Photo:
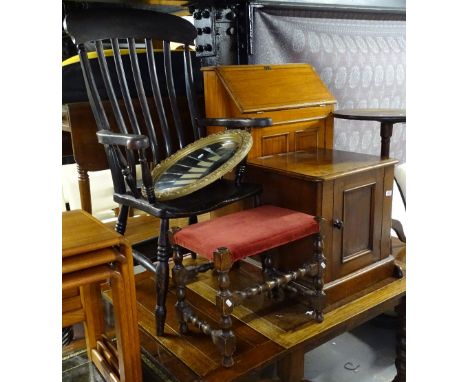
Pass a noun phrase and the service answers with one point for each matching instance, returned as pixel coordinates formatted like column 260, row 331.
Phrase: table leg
column 126, row 270
column 85, row 189
column 162, row 277
column 94, row 323
column 128, row 342
column 386, row 130
column 291, row 367
column 400, row 361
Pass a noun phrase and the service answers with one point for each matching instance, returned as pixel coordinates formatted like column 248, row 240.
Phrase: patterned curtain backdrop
column 360, row 57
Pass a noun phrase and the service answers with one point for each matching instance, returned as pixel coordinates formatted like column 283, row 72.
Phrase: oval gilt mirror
column 200, row 164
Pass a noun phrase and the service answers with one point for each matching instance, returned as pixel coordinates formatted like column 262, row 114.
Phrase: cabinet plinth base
column 357, row 281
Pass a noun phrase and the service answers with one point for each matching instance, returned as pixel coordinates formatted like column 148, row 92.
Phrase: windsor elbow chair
column 104, row 32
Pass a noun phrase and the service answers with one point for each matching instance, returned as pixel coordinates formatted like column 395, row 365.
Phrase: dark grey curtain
column 359, row 56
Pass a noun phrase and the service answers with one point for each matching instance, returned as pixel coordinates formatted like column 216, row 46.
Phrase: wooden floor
column 370, row 345
column 287, row 322
column 266, row 332
column 196, row 351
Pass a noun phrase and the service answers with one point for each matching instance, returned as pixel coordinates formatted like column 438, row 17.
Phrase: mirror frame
column 245, row 143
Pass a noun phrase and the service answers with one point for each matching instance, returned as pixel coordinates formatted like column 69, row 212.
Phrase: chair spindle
column 109, row 88
column 142, row 96
column 157, row 97
column 90, row 83
column 119, row 68
column 172, row 93
column 189, row 88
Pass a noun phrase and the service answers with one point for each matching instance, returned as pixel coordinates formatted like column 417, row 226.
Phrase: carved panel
column 275, row 144
column 357, row 222
column 358, row 206
column 306, row 139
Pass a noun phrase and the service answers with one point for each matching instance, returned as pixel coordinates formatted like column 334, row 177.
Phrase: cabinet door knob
column 337, row 223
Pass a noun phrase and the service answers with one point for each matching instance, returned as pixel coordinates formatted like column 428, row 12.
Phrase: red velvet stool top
column 247, row 233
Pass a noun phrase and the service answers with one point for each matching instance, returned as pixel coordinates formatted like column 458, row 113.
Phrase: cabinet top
column 321, row 164
column 368, row 114
column 256, row 88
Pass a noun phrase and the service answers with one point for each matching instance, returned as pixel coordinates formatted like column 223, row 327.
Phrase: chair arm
column 131, row 141
column 235, row 123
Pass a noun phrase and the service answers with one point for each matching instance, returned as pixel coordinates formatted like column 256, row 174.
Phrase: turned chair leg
column 193, row 219
column 267, row 273
column 162, row 277
column 224, row 338
column 318, row 301
column 179, row 277
column 121, row 223
column 267, row 266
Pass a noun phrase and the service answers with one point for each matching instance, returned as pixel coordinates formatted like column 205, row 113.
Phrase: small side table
column 93, row 254
column 386, row 117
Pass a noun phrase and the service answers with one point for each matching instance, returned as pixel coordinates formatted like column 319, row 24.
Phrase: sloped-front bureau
column 353, row 193
column 293, row 95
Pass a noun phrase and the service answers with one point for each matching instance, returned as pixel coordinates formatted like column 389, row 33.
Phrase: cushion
column 247, row 233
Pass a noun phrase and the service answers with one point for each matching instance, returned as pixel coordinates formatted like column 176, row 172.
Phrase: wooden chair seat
column 212, row 197
column 247, row 233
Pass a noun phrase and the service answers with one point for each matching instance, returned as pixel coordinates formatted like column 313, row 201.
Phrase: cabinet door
column 357, row 221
